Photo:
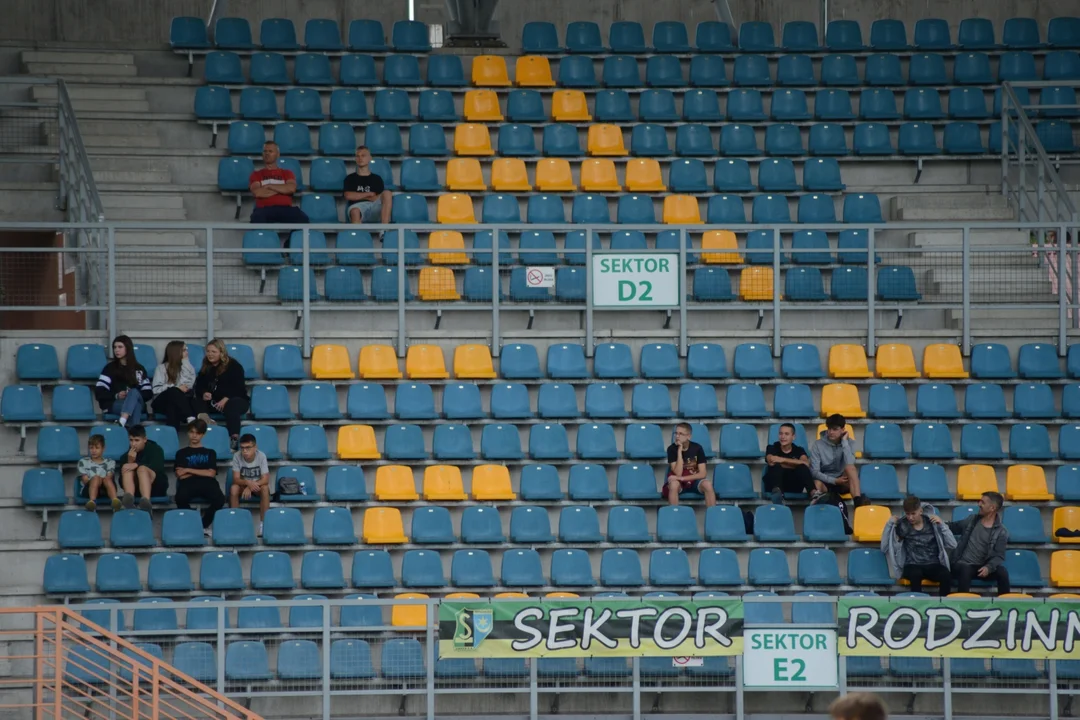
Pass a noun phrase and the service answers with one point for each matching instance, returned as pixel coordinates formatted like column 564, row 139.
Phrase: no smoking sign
column 540, row 277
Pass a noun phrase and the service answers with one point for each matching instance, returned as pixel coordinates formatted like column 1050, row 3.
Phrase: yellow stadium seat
column 425, row 362
column 461, row 596
column 444, row 240
column 848, row 361
column 680, row 209
column 490, row 71
column 554, row 175
column 643, row 175
column 943, row 361
column 974, row 480
column 382, row 526
column 756, row 283
column 561, row 595
column 394, row 483
column 482, row 106
column 437, row 284
column 841, row 398
column 1065, row 596
column 456, row 208
column 409, row 615
column 509, row 175
column 1016, row 596
column 606, row 140
column 491, row 482
column 533, row 71
column 473, row 362
column 598, row 175
column 964, row 595
column 357, row 442
column 517, row 595
column 720, row 240
column 443, row 482
column 1065, row 568
column 896, row 360
column 379, row 362
column 1069, row 519
column 850, row 436
column 331, row 362
column 1026, row 483
column 569, row 106
column 472, row 139
column 464, row 174
column 869, row 522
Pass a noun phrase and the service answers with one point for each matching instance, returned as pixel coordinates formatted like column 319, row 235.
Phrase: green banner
column 603, row 627
column 928, row 627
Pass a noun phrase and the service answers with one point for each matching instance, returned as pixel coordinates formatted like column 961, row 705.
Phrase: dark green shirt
column 152, row 456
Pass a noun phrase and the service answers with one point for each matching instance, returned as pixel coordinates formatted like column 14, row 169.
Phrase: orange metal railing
column 63, row 666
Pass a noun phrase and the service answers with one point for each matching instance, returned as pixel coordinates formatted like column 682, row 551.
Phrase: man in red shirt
column 273, row 188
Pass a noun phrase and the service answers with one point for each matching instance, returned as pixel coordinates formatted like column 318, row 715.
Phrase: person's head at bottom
column 858, row 706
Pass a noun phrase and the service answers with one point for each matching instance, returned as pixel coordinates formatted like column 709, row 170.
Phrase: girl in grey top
column 172, row 386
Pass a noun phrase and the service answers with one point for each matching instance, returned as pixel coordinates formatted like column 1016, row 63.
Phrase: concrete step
column 948, row 200
column 980, row 238
column 88, row 92
column 145, row 200
column 932, row 214
column 1019, row 319
column 77, row 57
column 179, row 321
column 142, row 163
column 117, row 127
column 112, row 141
column 74, row 70
column 154, row 214
column 102, row 105
column 132, row 176
column 154, row 238
column 1030, row 276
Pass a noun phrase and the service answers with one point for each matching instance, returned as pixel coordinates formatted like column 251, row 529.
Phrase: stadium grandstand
column 336, row 337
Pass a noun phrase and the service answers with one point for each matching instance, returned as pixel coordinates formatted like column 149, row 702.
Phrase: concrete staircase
column 1002, row 267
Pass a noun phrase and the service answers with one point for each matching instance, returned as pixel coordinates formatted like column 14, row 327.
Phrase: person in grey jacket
column 917, row 545
column 174, row 381
column 980, row 547
column 832, row 461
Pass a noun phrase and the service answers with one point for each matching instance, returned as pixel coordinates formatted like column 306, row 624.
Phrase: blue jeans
column 133, row 405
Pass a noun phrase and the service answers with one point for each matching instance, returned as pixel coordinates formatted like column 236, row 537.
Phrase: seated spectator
column 274, row 188
column 142, row 470
column 96, row 472
column 123, row 388
column 788, row 469
column 220, row 386
column 196, row 476
column 832, row 461
column 366, row 196
column 980, row 545
column 173, row 385
column 917, row 545
column 251, row 476
column 688, row 472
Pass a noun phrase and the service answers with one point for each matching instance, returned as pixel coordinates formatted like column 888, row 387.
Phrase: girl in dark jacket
column 220, row 386
column 123, row 388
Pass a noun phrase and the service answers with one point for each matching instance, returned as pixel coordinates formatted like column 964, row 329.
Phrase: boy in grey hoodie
column 832, row 461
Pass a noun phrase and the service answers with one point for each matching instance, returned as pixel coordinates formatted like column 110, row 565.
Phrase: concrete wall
column 137, row 23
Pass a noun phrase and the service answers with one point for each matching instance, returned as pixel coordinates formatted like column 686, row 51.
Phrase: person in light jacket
column 917, row 545
column 173, row 383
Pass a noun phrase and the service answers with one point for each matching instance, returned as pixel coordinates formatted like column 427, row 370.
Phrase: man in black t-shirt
column 196, row 475
column 787, row 468
column 366, row 196
column 686, row 460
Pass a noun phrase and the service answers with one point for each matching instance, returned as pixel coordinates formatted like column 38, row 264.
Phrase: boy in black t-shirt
column 787, row 468
column 688, row 472
column 196, row 475
column 366, row 198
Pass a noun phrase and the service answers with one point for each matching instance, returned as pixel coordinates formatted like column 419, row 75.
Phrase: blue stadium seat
column 627, row 37
column 843, row 35
column 422, row 569
column 657, row 106
column 739, row 441
column 879, row 481
column 645, row 442
column 1032, row 442
column 745, row 400
column 801, row 361
column 224, row 68
column 827, row 139
column 811, row 247
column 425, row 139
column 648, row 401
column 258, row 104
column 530, row 524
column 415, row 401
column 571, row 568
column 588, row 482
column 431, row 526
column 247, row 138
column 883, row 70
column 895, row 283
column 522, row 106
column 501, row 442
column 521, row 292
column 735, row 139
column 452, row 442
column 823, row 523
column 1021, row 33
column 555, row 400
column 281, row 526
column 753, row 361
column 577, row 72
column 584, row 37
column 660, row 360
column 888, row 35
column 539, row 38
column 131, row 529
column 889, row 400
column 43, row 486
column 544, row 209
column 795, row 71
column 358, row 71
column 392, row 105
column 23, row 403
column 383, row 139
column 1024, row 524
column 213, row 103
column 762, row 241
column 927, row 69
column 884, row 440
column 462, row 402
column 471, row 568
column 777, row 175
column 58, row 444
column 928, row 482
column 976, row 34
column 833, row 105
column 1018, row 67
column 613, row 106
column 1056, row 136
column 410, row 36
column 117, row 572
column 677, row 524
column 321, row 569
column 663, row 71
column 541, row 482
column 937, row 401
column 79, row 529
column 923, row 104
column 632, row 482
column 963, row 138
column 933, row 34
column 818, row 566
column 774, row 523
column 980, row 442
column 972, row 69
column 648, row 141
column 839, row 70
column 867, row 567
column 768, row 566
column 278, row 34
column 877, row 104
column 725, row 209
column 719, row 567
column 322, row 35
column 1061, row 65
column 707, row 71
column 745, row 105
column 713, row 37
column 800, row 36
column 580, row 524
column 312, row 69
column 698, row 401
column 724, row 524
column 706, row 361
column 991, row 361
column 751, row 71
column 318, row 401
column 402, row 71
column 783, row 139
column 1039, row 360
column 794, row 401
column 611, row 361
column 1063, row 32
column 620, row 568
column 594, row 442
column 917, row 139
column 670, row 37
column 931, row 441
column 522, row 568
column 669, row 567
column 819, row 210
column 1034, row 401
column 712, row 285
column 268, row 68
column 757, row 37
column 1058, row 96
column 862, row 208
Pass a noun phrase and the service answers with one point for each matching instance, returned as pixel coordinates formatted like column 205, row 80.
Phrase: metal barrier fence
column 961, row 269
column 386, row 651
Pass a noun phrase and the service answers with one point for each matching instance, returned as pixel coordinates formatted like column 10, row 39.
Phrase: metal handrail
column 75, row 163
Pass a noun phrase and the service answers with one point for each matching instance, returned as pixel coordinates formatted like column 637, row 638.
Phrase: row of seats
column 530, row 524
column 170, row 572
column 567, row 361
column 623, row 71
column 234, row 33
column 614, row 106
column 189, row 33
column 416, row 401
column 540, row 483
column 651, row 140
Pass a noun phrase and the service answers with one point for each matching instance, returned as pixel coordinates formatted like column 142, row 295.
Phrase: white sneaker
column 207, row 533
column 191, row 419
